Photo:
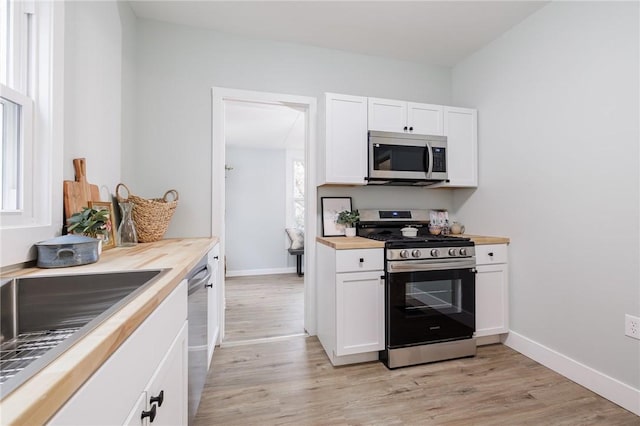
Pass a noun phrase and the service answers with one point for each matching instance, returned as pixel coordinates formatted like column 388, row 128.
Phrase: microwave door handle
column 429, row 157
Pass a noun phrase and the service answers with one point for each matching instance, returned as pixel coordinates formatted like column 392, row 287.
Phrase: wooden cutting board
column 78, row 193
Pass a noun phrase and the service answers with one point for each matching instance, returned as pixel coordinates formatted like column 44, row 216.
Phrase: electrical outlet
column 632, row 326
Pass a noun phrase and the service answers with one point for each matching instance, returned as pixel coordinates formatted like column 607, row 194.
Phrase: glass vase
column 127, row 235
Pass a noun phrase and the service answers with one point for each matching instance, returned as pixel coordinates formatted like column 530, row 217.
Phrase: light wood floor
column 264, row 306
column 292, row 382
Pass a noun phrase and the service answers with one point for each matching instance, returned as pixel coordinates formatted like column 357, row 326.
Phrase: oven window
column 398, row 158
column 442, row 296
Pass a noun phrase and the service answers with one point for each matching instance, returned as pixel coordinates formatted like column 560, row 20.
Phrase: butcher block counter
column 349, row 243
column 39, row 398
column 481, row 240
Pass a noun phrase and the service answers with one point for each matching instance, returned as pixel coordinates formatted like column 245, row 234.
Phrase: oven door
column 429, row 306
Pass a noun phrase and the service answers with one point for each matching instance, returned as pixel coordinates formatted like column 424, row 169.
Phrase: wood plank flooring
column 264, row 306
column 292, row 382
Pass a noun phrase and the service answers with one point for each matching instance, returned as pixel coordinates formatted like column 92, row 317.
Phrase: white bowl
column 409, row 232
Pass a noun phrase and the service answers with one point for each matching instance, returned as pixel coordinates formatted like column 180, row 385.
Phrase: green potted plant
column 348, row 219
column 90, row 222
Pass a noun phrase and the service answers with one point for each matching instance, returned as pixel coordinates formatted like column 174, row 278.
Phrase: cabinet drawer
column 359, row 260
column 491, row 254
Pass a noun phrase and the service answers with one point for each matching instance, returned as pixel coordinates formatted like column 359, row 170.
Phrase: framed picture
column 111, row 232
column 331, row 206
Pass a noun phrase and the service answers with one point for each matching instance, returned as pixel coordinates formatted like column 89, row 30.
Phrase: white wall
column 390, row 197
column 93, row 88
column 176, row 68
column 255, row 211
column 558, row 116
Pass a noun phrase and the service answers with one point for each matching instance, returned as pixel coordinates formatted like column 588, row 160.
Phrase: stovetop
column 386, row 225
column 393, row 241
column 391, row 237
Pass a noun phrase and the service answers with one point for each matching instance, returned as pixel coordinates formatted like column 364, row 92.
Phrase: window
column 31, row 125
column 16, row 109
column 298, row 193
column 295, row 189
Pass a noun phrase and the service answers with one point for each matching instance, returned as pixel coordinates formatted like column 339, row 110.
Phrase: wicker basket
column 151, row 216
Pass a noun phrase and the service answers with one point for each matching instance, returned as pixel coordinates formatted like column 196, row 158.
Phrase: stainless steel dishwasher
column 199, row 279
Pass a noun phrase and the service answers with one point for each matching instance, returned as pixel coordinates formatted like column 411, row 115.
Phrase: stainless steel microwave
column 406, row 159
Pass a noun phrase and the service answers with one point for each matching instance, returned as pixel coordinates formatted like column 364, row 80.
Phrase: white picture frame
column 331, row 206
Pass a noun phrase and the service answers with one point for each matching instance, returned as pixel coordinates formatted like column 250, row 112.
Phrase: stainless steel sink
column 41, row 317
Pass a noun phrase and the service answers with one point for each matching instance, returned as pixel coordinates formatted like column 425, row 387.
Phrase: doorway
column 253, row 202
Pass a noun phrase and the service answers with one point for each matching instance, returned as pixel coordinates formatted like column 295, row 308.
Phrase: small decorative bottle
column 127, row 235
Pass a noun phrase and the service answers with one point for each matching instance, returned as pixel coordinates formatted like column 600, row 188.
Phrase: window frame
column 13, row 217
column 46, row 87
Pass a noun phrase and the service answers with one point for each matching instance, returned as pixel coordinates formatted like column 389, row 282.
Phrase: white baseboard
column 612, row 389
column 272, row 271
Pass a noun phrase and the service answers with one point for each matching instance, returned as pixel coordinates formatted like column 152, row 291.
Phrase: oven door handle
column 421, row 266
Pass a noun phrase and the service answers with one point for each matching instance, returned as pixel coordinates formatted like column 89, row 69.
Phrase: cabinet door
column 387, row 115
column 359, row 312
column 135, row 416
column 492, row 300
column 169, row 384
column 425, row 119
column 346, row 139
column 108, row 396
column 213, row 318
column 461, row 130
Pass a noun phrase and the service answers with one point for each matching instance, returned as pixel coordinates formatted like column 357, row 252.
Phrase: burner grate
column 17, row 353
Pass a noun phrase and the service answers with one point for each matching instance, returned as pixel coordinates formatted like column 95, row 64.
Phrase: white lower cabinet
column 164, row 401
column 149, row 367
column 492, row 290
column 135, row 418
column 350, row 285
column 214, row 295
column 359, row 312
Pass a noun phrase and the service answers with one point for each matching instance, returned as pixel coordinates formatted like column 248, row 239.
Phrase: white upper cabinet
column 343, row 158
column 345, row 153
column 387, row 115
column 390, row 115
column 461, row 130
column 426, row 119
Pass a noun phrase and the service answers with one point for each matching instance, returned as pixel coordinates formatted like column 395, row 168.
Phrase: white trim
column 612, row 389
column 271, row 271
column 262, row 340
column 219, row 95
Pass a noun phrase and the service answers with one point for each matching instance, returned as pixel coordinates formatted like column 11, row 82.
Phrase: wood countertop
column 349, row 243
column 344, row 243
column 481, row 240
column 38, row 399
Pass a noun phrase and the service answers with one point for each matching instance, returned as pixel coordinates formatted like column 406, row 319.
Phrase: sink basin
column 41, row 317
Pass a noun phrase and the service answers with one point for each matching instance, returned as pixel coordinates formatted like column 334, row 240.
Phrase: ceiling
column 428, row 32
column 264, row 126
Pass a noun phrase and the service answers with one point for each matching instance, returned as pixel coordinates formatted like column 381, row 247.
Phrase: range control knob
column 416, row 253
column 404, row 254
column 452, row 252
column 463, row 252
column 435, row 253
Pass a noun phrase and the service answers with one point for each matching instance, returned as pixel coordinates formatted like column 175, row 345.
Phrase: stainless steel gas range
column 429, row 289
